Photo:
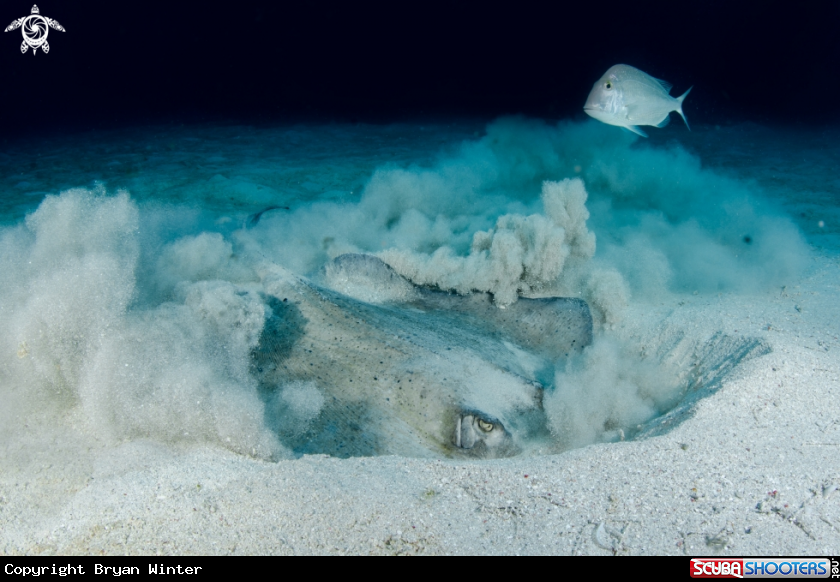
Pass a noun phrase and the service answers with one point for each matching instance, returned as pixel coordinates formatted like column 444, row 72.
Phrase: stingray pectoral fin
column 634, row 129
column 551, row 327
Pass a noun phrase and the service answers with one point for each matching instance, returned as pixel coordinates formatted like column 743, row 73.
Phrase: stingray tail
column 679, row 110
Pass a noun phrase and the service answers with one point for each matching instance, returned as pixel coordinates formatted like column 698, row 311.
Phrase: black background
column 144, row 62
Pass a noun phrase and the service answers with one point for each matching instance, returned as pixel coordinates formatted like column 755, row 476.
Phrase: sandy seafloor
column 755, row 469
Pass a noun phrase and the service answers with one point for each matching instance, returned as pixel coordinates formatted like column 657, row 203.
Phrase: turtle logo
column 35, row 28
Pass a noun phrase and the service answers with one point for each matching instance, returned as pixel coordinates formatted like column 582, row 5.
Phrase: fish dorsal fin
column 665, row 84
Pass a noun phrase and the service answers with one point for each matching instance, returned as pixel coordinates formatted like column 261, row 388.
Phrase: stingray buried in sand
column 431, row 374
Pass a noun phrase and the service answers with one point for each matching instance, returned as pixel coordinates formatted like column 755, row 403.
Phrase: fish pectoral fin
column 635, row 129
column 631, row 113
column 665, row 121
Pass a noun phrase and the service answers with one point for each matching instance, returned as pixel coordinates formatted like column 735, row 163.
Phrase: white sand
column 755, row 471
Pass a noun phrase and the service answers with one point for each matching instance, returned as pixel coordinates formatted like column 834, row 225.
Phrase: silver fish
column 628, row 98
column 428, row 374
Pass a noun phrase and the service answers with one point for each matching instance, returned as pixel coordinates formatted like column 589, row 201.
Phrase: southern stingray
column 397, row 369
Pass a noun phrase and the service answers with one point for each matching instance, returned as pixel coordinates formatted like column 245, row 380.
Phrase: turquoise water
column 129, row 278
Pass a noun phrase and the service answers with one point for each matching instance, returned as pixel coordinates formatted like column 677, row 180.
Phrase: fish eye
column 609, row 85
column 485, row 426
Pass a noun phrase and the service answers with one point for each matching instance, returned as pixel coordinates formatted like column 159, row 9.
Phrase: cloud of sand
column 177, row 372
column 145, row 330
column 605, row 392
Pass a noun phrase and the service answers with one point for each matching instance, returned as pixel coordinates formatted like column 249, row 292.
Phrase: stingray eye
column 485, row 426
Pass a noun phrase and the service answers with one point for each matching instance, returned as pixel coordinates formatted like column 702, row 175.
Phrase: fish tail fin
column 679, row 110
